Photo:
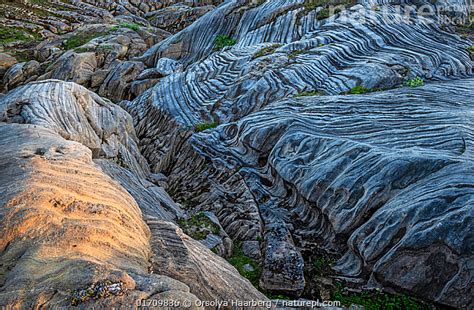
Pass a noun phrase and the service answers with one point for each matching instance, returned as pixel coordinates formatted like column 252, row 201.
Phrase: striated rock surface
column 306, row 144
column 80, row 41
column 330, row 56
column 68, row 228
column 391, row 188
column 370, row 176
column 65, row 225
column 79, row 115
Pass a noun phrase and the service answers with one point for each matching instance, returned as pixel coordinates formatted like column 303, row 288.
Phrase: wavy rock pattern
column 381, row 181
column 389, row 182
column 79, row 115
column 316, row 173
column 182, row 258
column 64, row 224
column 331, row 56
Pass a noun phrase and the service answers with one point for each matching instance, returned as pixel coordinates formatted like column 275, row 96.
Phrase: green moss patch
column 132, row 26
column 294, row 54
column 322, row 14
column 321, row 266
column 222, row 41
column 415, row 82
column 10, row 35
column 377, row 300
column 266, row 51
column 357, row 90
column 204, row 126
column 81, row 38
column 241, row 262
column 199, row 226
column 310, row 93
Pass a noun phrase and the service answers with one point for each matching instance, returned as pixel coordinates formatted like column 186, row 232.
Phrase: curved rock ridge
column 209, row 276
column 47, row 17
column 385, row 177
column 141, row 8
column 67, row 221
column 287, row 21
column 339, row 172
column 81, row 41
column 323, row 144
column 64, row 225
column 330, row 56
column 79, row 115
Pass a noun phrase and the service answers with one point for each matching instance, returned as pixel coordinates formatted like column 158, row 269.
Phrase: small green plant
column 199, row 226
column 322, row 14
column 93, row 49
column 131, row 26
column 277, row 296
column 310, row 93
column 105, row 46
column 23, row 55
column 359, row 89
column 80, row 50
column 9, row 35
column 239, row 260
column 81, row 38
column 320, row 264
column 266, row 51
column 471, row 50
column 310, row 5
column 121, row 162
column 293, row 54
column 415, row 82
column 204, row 126
column 222, row 41
column 377, row 300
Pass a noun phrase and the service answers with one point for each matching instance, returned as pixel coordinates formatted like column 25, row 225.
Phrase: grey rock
column 177, row 16
column 283, row 265
column 79, row 115
column 117, row 84
column 139, row 87
column 151, row 73
column 166, row 66
column 252, row 249
column 322, row 196
column 52, row 177
column 20, row 73
column 387, row 188
column 63, row 201
column 6, row 61
column 73, row 67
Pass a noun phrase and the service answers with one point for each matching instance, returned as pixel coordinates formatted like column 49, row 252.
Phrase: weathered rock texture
column 391, row 188
column 330, row 56
column 81, row 41
column 384, row 178
column 65, row 223
column 263, row 135
column 79, row 115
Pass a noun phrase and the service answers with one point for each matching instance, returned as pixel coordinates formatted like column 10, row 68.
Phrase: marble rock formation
column 71, row 228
